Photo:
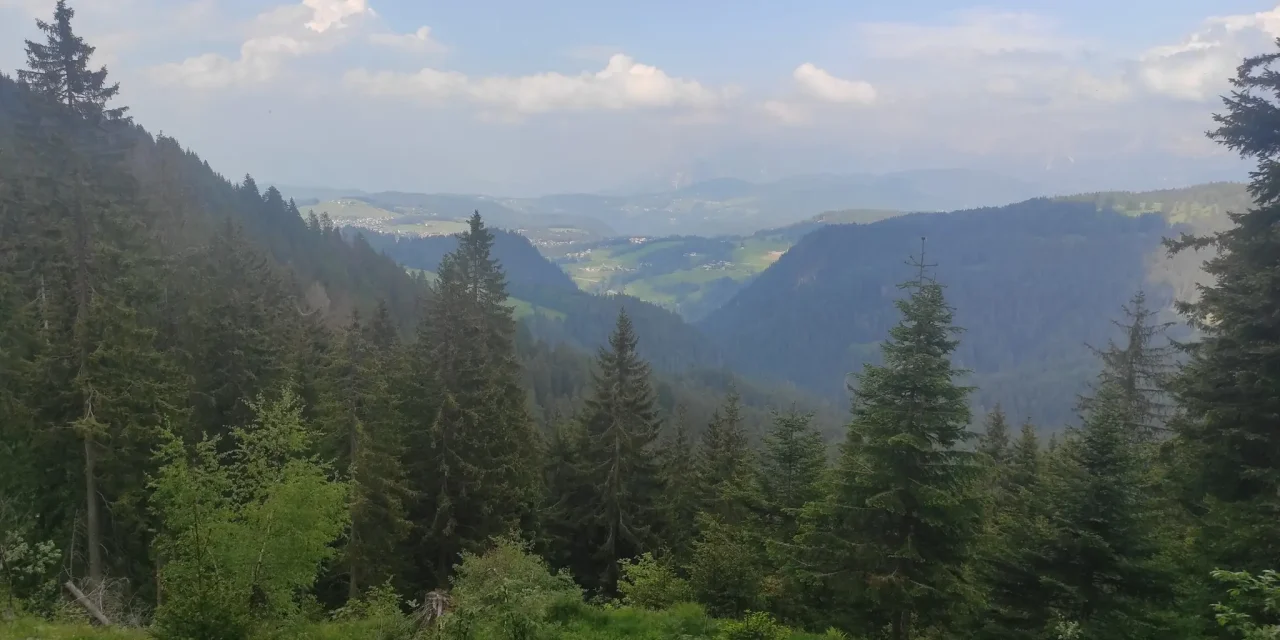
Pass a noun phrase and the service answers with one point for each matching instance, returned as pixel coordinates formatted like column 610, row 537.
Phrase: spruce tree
column 1139, row 368
column 474, row 451
column 366, row 436
column 994, row 441
column 725, row 458
column 790, row 471
column 1024, row 462
column 890, row 544
column 1229, row 388
column 1105, row 555
column 59, row 69
column 622, row 426
column 1013, row 555
column 682, row 494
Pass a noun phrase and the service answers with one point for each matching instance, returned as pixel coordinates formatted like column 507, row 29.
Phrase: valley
column 805, row 304
column 922, row 404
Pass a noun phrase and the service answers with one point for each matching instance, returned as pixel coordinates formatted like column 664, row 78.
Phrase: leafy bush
column 649, row 584
column 28, row 573
column 245, row 531
column 1253, row 607
column 755, row 626
column 507, row 593
column 378, row 615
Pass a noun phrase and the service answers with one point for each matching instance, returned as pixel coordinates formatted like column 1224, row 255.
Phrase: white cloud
column 972, row 32
column 826, row 87
column 260, row 60
column 622, row 84
column 275, row 36
column 419, row 41
column 1199, row 67
column 328, row 14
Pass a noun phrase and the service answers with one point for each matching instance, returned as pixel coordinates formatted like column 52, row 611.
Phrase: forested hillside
column 206, row 433
column 1033, row 284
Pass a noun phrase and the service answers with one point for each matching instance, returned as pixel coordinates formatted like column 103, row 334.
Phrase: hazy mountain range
column 711, row 207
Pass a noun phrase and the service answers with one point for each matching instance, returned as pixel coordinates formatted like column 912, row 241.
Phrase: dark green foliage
column 994, row 441
column 366, row 435
column 724, row 459
column 1228, row 387
column 621, row 425
column 59, row 70
column 475, row 455
column 790, row 472
column 1032, row 283
column 682, row 492
column 1139, row 370
column 1104, row 556
column 890, row 543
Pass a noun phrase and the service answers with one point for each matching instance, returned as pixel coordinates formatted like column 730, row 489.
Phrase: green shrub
column 244, row 532
column 28, row 575
column 379, row 615
column 755, row 626
column 507, row 593
column 649, row 584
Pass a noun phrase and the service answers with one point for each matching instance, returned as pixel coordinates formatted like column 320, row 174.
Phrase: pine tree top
column 59, row 69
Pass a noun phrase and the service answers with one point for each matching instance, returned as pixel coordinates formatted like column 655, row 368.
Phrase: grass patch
column 25, row 628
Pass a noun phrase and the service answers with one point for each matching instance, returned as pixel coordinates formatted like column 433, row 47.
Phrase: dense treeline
column 1032, row 284
column 188, row 439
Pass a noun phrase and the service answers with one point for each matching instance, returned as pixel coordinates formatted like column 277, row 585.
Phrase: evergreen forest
column 222, row 419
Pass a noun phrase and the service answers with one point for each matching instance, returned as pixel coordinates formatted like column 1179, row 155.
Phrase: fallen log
column 87, row 604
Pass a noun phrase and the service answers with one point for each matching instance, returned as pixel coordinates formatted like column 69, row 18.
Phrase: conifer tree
column 369, row 447
column 564, row 517
column 474, row 450
column 1017, row 535
column 790, row 471
column 1139, row 369
column 994, row 441
column 1104, row 557
column 1229, row 388
column 890, row 543
column 1024, row 462
column 725, row 458
column 682, row 494
column 622, row 425
column 59, row 69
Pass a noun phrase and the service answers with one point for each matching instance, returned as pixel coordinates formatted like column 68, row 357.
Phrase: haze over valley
column 375, row 319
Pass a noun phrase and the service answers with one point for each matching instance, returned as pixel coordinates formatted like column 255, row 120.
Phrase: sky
column 509, row 97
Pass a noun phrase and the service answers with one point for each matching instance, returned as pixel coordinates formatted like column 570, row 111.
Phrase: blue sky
column 518, row 97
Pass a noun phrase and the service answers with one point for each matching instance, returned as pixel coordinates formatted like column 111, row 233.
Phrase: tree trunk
column 353, row 586
column 92, row 521
column 93, row 524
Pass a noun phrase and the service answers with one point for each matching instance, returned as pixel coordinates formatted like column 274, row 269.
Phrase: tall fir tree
column 59, row 69
column 725, row 459
column 621, row 426
column 1140, row 369
column 476, row 456
column 890, row 544
column 790, row 472
column 1229, row 387
column 364, row 433
column 1104, row 557
column 994, row 441
column 681, row 487
column 1016, row 534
